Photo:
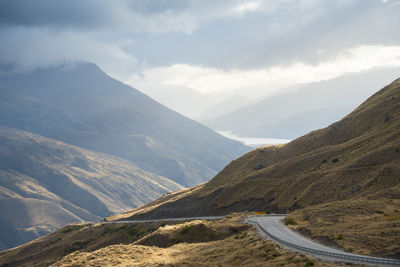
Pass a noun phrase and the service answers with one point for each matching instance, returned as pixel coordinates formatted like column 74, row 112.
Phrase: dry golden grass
column 75, row 237
column 243, row 247
column 225, row 242
column 197, row 231
column 361, row 226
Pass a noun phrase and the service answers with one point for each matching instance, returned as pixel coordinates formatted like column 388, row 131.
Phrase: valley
column 355, row 157
column 199, row 133
column 77, row 145
column 331, row 182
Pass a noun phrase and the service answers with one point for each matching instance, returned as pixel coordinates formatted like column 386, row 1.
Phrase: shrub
column 290, row 221
column 309, row 263
column 185, row 229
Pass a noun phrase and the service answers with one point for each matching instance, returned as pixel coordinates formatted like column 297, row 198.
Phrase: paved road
column 210, row 218
column 272, row 227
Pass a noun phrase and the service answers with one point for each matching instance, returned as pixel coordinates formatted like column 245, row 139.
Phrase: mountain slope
column 356, row 157
column 82, row 106
column 45, row 184
column 232, row 103
column 311, row 107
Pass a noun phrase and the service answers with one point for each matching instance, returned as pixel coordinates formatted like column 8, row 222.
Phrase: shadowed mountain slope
column 45, row 184
column 82, row 106
column 356, row 157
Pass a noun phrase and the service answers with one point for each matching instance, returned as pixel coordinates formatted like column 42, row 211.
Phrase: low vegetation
column 75, row 237
column 226, row 242
column 361, row 226
column 290, row 221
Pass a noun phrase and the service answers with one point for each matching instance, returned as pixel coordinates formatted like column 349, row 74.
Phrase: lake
column 254, row 141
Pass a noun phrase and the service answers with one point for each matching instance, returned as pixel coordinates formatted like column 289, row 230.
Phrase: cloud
column 256, row 34
column 267, row 80
column 149, row 16
column 24, row 49
column 128, row 36
column 245, row 7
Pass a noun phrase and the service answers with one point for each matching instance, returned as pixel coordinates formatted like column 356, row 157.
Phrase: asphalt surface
column 210, row 218
column 272, row 227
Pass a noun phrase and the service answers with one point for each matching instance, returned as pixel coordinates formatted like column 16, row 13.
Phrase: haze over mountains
column 77, row 145
column 313, row 106
column 196, row 105
column 227, row 105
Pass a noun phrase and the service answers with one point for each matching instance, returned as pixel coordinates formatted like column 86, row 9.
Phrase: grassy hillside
column 367, row 225
column 45, row 184
column 82, row 106
column 226, row 242
column 74, row 237
column 357, row 157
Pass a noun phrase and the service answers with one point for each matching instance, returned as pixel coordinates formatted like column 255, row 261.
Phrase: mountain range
column 80, row 105
column 77, row 145
column 45, row 183
column 294, row 113
column 340, row 186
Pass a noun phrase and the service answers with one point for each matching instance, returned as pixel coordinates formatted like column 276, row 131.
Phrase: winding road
column 271, row 226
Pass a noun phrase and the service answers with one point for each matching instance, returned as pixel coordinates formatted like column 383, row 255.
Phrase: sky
column 248, row 47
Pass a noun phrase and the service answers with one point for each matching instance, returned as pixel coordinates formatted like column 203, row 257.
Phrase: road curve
column 271, row 226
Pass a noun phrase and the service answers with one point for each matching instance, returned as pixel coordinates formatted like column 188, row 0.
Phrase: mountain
column 80, row 105
column 313, row 106
column 194, row 104
column 45, row 184
column 357, row 157
column 342, row 181
column 225, row 106
column 184, row 100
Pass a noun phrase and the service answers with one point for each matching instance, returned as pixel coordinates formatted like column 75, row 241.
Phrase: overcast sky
column 205, row 45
